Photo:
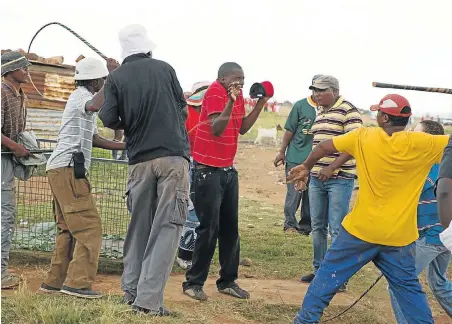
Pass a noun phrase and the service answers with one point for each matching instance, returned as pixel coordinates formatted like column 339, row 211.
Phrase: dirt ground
column 288, row 292
column 259, row 179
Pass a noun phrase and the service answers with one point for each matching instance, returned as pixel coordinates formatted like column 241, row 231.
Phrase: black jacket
column 144, row 97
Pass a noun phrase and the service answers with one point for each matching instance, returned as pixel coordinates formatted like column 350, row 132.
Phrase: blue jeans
column 329, row 202
column 434, row 258
column 346, row 256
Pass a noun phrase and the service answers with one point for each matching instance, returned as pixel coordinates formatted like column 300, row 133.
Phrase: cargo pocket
column 81, row 214
column 180, row 214
column 80, row 187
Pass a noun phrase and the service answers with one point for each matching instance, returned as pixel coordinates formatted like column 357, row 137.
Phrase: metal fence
column 35, row 226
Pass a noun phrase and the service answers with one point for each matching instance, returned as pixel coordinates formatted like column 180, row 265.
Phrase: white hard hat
column 89, row 69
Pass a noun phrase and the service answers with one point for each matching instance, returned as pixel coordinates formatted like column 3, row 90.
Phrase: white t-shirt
column 76, row 133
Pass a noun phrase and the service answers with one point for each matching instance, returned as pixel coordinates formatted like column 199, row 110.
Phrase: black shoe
column 234, row 290
column 144, row 311
column 308, row 278
column 128, row 299
column 82, row 293
column 196, row 293
column 303, row 232
column 48, row 289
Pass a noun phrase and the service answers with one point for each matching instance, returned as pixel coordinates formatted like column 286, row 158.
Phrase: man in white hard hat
column 75, row 258
column 144, row 98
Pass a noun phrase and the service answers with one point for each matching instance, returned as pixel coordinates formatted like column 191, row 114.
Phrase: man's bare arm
column 17, row 149
column 288, row 135
column 344, row 157
column 281, row 157
column 220, row 121
column 323, row 149
column 99, row 141
column 95, row 104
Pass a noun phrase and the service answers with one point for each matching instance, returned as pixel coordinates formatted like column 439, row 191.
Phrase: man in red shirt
column 215, row 182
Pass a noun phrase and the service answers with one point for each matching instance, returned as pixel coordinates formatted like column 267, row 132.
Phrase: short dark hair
column 432, row 127
column 227, row 68
column 400, row 121
column 84, row 83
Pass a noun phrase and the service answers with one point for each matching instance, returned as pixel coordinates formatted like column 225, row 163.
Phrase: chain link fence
column 35, row 226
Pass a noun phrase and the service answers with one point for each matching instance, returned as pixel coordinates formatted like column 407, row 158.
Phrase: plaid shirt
column 13, row 111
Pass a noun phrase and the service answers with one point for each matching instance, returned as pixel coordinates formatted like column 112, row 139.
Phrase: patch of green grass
column 266, row 120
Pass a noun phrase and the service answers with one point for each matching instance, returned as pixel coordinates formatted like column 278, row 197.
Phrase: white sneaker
column 184, row 264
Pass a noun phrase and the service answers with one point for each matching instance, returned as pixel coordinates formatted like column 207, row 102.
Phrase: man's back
column 150, row 103
column 392, row 171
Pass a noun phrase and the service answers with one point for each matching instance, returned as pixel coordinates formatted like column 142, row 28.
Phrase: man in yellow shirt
column 392, row 165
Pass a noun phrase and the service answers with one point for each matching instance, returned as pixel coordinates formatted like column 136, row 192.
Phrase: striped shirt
column 13, row 111
column 76, row 133
column 342, row 118
column 218, row 151
column 428, row 223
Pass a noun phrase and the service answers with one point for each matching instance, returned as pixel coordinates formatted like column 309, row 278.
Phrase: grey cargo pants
column 158, row 200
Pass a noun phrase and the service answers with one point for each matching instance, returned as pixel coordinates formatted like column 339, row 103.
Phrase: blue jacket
column 428, row 222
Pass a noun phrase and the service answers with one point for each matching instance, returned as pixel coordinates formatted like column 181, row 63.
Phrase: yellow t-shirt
column 391, row 172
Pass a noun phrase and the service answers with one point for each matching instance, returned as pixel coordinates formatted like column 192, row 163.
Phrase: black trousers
column 216, row 202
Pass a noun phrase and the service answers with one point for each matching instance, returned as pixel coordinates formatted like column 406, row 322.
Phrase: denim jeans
column 217, row 207
column 188, row 237
column 346, row 256
column 434, row 258
column 292, row 203
column 329, row 202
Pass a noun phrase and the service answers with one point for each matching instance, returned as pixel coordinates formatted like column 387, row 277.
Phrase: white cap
column 134, row 40
column 89, row 69
column 199, row 85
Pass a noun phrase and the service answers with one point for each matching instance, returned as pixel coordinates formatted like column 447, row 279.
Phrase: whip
column 355, row 302
column 73, row 33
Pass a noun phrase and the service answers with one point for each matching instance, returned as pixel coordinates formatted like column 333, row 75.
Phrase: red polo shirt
column 191, row 124
column 218, row 151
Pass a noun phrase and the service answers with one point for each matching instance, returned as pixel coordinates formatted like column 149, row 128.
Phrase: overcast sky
column 285, row 41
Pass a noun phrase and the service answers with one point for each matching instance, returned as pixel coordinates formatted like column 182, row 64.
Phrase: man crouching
column 75, row 258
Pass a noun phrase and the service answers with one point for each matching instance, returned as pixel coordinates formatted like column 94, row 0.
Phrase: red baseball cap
column 392, row 104
column 269, row 90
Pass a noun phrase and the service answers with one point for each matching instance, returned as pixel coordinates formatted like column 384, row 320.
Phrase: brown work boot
column 10, row 281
